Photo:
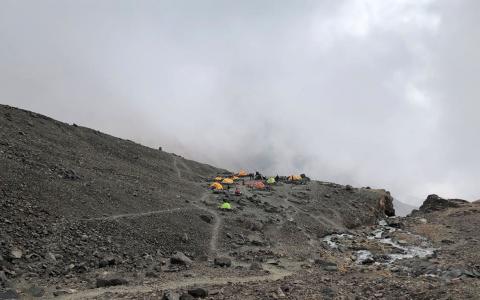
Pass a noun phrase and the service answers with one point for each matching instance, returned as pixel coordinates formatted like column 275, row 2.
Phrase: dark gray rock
column 35, row 291
column 186, row 297
column 151, row 274
column 109, row 261
column 111, row 280
column 326, row 265
column 198, row 292
column 206, row 218
column 178, row 258
column 435, row 203
column 3, row 278
column 59, row 293
column 222, row 262
column 8, row 295
column 256, row 266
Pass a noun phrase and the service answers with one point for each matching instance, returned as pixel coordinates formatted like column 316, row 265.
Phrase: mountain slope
column 402, row 209
column 73, row 198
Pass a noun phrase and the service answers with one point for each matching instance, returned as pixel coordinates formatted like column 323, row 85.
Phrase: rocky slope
column 87, row 215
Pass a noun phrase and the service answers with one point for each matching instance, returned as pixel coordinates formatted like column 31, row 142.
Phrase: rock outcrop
column 435, row 203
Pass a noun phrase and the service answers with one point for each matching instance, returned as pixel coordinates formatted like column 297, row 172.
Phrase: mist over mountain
column 355, row 92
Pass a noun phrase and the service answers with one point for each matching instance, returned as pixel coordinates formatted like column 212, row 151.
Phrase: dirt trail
column 175, row 167
column 275, row 274
column 136, row 215
column 218, row 220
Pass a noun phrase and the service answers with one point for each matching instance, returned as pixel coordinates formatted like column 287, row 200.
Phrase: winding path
column 275, row 274
column 136, row 215
column 213, row 246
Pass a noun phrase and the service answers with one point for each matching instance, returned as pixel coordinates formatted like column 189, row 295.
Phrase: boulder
column 436, row 203
column 35, row 291
column 3, row 278
column 326, row 265
column 186, row 296
column 16, row 253
column 109, row 261
column 222, row 262
column 110, row 280
column 169, row 295
column 198, row 292
column 9, row 294
column 63, row 292
column 178, row 258
column 207, row 219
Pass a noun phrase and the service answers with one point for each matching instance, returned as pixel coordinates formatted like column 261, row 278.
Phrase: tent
column 235, row 178
column 218, row 178
column 258, row 185
column 225, row 205
column 227, row 181
column 242, row 173
column 216, row 186
column 271, row 180
column 294, row 178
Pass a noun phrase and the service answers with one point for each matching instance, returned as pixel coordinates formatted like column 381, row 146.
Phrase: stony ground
column 88, row 216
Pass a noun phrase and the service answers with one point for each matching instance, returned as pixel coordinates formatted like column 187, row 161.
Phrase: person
column 225, row 205
column 251, row 176
column 237, row 192
column 277, row 178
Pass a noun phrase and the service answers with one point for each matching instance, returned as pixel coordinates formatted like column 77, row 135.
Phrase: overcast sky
column 370, row 93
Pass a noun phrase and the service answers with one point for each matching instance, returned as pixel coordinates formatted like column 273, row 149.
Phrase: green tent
column 225, row 205
column 271, row 180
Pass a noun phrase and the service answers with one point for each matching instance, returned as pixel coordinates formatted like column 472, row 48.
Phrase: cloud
column 366, row 92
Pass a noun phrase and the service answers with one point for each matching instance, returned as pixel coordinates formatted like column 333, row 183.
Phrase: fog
column 368, row 93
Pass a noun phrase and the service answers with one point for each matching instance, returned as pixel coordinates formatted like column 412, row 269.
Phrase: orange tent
column 242, row 173
column 235, row 178
column 216, row 186
column 294, row 178
column 259, row 185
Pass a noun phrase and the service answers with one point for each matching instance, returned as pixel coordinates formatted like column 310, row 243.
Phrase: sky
column 362, row 92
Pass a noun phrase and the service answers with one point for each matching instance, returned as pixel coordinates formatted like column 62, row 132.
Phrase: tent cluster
column 222, row 183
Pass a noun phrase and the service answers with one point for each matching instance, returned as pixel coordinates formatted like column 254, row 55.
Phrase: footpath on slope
column 274, row 272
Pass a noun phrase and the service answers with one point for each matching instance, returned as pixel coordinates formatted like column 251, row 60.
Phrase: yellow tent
column 294, row 178
column 216, row 186
column 227, row 181
column 242, row 173
column 235, row 178
column 218, row 178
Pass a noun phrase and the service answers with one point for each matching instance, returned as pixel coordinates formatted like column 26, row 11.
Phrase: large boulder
column 198, row 292
column 436, row 203
column 387, row 203
column 222, row 262
column 178, row 258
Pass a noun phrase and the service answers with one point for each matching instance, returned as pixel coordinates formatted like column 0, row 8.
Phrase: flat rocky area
column 85, row 215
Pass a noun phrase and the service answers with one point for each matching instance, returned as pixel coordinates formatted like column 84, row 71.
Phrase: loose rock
column 222, row 262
